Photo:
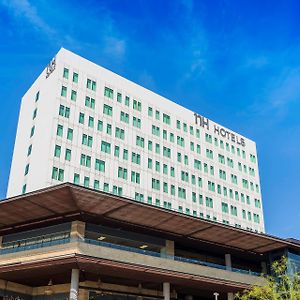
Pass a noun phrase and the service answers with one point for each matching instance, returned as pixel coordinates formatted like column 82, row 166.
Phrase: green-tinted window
column 178, row 124
column 29, row 150
column 172, row 172
column 106, row 187
column 68, row 154
column 96, row 184
column 90, row 84
column 37, row 96
column 89, row 102
column 137, row 105
column 127, row 101
column 76, row 179
column 157, row 115
column 149, row 163
column 124, row 117
column 108, row 129
column 63, row 91
column 117, row 151
column 105, row 147
column 150, row 111
column 86, row 181
column 107, row 110
column 75, row 77
column 135, row 177
column 136, row 122
column 165, row 169
column 81, row 118
column 34, row 114
column 150, row 145
column 57, row 174
column 119, row 97
column 136, row 158
column 108, row 93
column 100, row 125
column 66, row 73
column 140, row 141
column 166, row 119
column 57, row 151
column 73, row 95
column 59, row 130
column 32, row 131
column 91, row 122
column 172, row 139
column 70, row 134
column 125, row 154
column 120, row 133
column 26, row 169
column 99, row 165
column 184, row 127
column 157, row 148
column 157, row 166
column 122, row 173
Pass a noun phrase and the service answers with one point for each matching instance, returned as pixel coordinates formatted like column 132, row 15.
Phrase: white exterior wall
column 42, row 157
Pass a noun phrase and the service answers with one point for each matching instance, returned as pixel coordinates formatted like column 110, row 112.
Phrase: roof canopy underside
column 68, row 200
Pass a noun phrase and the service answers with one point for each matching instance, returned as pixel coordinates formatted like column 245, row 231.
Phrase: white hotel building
column 84, row 124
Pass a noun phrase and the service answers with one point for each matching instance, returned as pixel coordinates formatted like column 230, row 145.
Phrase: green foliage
column 281, row 286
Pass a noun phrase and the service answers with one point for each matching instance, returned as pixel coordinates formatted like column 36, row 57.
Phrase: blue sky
column 235, row 62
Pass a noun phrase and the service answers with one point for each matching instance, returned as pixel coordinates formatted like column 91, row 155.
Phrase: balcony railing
column 123, row 248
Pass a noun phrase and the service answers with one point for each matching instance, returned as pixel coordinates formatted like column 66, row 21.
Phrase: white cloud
column 24, row 9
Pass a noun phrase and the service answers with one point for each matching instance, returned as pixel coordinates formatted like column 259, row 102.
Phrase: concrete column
column 166, row 290
column 74, row 284
column 228, row 262
column 263, row 267
column 77, row 230
column 230, row 296
column 168, row 250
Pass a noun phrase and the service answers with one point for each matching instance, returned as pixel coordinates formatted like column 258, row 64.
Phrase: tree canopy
column 282, row 285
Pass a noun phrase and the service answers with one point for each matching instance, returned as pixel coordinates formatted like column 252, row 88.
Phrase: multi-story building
column 84, row 124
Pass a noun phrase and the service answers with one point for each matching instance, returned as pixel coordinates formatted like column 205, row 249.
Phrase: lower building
column 70, row 242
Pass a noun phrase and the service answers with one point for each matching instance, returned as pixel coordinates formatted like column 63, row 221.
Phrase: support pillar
column 77, row 230
column 228, row 262
column 166, row 290
column 263, row 267
column 74, row 288
column 230, row 296
column 168, row 250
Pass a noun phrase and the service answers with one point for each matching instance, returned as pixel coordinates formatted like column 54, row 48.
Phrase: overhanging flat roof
column 66, row 200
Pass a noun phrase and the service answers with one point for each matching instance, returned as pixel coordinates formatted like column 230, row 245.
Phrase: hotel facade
column 83, row 124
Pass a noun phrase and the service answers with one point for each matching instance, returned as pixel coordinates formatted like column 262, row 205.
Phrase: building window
column 73, row 95
column 57, row 151
column 32, row 131
column 68, row 155
column 75, row 77
column 99, row 165
column 63, row 92
column 90, row 84
column 70, row 134
column 89, row 102
column 119, row 97
column 107, row 110
column 76, row 179
column 59, row 130
column 26, row 169
column 81, row 118
column 57, row 174
column 108, row 93
column 37, row 96
column 105, row 147
column 85, row 160
column 66, row 73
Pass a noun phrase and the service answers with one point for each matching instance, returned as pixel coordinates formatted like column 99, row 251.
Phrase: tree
column 281, row 286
